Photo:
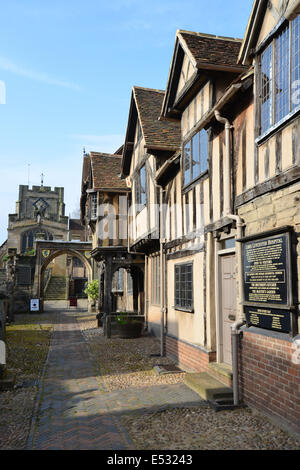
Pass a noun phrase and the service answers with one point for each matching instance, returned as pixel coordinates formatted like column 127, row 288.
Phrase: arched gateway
column 48, row 250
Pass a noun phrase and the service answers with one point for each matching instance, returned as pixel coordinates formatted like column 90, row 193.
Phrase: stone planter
column 128, row 330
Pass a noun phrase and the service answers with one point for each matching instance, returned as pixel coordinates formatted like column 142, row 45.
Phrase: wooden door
column 227, row 305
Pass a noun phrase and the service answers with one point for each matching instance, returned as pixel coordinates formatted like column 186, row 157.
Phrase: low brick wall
column 188, row 355
column 269, row 380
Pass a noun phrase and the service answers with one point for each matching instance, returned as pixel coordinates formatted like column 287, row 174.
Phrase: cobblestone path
column 74, row 409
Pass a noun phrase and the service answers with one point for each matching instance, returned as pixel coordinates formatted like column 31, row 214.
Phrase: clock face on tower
column 40, row 205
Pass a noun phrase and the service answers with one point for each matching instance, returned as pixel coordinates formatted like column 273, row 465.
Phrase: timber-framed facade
column 212, row 171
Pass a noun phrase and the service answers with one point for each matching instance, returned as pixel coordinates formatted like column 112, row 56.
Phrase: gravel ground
column 28, row 342
column 127, row 363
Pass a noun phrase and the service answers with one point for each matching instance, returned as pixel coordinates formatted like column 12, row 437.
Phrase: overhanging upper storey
column 196, row 56
column 144, row 127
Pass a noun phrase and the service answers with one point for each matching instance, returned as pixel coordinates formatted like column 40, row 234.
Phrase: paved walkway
column 75, row 410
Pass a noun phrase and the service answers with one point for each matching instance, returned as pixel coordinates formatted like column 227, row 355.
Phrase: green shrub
column 92, row 289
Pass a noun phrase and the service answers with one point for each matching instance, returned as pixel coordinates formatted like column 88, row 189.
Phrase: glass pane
column 187, row 163
column 143, row 184
column 266, row 89
column 282, row 75
column 203, row 149
column 295, row 65
column 196, row 156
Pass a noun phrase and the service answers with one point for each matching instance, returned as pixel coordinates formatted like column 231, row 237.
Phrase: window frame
column 182, row 307
column 288, row 66
column 93, row 208
column 140, row 193
column 200, row 162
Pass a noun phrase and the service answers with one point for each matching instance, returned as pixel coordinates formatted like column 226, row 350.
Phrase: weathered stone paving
column 76, row 411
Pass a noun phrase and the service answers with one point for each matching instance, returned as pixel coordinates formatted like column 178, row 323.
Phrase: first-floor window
column 195, row 153
column 184, row 286
column 140, row 189
column 279, row 75
column 94, row 206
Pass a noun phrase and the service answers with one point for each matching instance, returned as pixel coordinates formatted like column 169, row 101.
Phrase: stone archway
column 56, row 254
column 47, row 251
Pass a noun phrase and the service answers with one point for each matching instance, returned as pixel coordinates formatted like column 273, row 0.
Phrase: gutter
column 240, row 320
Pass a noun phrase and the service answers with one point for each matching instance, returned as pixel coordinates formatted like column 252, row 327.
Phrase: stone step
column 56, row 289
column 208, row 387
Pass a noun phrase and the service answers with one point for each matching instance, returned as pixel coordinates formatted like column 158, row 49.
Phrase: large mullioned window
column 195, row 157
column 280, row 76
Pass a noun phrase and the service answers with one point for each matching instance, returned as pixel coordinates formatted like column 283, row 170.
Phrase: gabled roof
column 252, row 30
column 206, row 53
column 119, row 151
column 287, row 9
column 106, row 169
column 145, row 106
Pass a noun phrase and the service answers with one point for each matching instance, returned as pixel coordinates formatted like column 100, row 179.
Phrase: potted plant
column 92, row 291
column 126, row 325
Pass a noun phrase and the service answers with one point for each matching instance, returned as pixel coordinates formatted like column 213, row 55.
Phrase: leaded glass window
column 266, row 89
column 195, row 157
column 140, row 189
column 94, row 206
column 280, row 76
column 184, row 286
column 295, row 64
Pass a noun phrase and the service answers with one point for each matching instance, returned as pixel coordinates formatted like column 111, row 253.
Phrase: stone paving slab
column 76, row 411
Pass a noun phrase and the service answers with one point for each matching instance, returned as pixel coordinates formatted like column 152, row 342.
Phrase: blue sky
column 68, row 67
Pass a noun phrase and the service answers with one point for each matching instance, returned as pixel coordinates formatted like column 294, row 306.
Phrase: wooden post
column 108, row 326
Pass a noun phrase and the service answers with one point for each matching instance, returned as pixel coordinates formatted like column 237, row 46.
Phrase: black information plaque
column 265, row 270
column 267, row 283
column 270, row 319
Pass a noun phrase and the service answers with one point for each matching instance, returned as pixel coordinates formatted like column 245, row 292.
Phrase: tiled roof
column 120, row 150
column 75, row 224
column 157, row 134
column 106, row 169
column 211, row 50
column 86, row 165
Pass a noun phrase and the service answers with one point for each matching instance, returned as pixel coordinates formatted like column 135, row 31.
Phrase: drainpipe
column 235, row 327
column 162, row 274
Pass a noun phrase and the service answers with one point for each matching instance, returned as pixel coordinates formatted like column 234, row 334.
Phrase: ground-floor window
column 184, row 286
column 156, row 280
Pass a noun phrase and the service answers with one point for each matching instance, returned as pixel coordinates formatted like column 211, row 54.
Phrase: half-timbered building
column 211, row 169
column 104, row 200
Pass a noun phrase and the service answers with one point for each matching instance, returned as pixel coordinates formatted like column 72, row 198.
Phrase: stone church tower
column 38, row 210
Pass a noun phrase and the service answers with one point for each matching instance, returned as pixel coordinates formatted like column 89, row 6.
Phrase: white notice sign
column 34, row 305
column 2, row 353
